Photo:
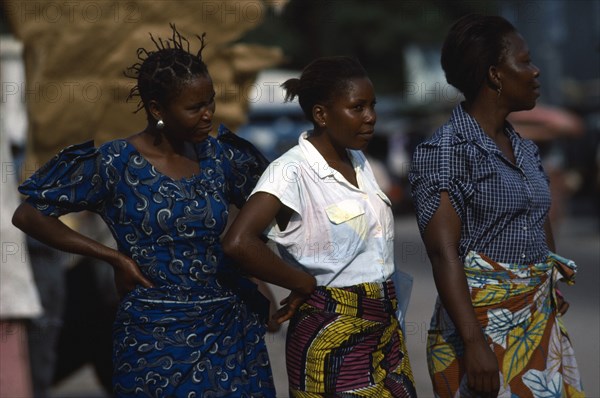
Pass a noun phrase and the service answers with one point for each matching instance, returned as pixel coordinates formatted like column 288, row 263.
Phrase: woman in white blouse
column 333, row 226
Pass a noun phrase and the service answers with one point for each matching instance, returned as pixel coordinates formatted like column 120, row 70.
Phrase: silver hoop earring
column 160, row 124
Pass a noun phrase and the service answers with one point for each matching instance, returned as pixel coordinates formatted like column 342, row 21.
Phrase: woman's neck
column 330, row 152
column 491, row 118
column 162, row 143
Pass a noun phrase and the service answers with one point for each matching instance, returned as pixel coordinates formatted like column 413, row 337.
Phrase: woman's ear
column 155, row 109
column 494, row 77
column 319, row 113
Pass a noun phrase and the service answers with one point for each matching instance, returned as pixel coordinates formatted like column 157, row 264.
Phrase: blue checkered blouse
column 502, row 206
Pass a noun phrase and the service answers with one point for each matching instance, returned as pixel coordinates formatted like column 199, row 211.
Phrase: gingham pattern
column 502, row 205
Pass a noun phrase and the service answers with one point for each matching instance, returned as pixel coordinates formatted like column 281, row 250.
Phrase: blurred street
column 577, row 238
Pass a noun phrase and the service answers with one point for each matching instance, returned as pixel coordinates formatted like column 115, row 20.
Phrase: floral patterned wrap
column 516, row 307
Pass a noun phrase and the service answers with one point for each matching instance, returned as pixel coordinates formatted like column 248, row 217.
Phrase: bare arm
column 561, row 304
column 441, row 239
column 549, row 235
column 53, row 232
column 244, row 244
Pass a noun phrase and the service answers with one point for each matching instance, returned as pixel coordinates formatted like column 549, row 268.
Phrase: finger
column 281, row 318
column 273, row 326
column 471, row 382
column 563, row 308
column 486, row 386
column 284, row 314
column 146, row 283
column 279, row 313
column 477, row 384
column 491, row 385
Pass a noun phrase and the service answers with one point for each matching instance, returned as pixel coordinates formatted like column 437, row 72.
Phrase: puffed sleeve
column 440, row 164
column 71, row 181
column 246, row 164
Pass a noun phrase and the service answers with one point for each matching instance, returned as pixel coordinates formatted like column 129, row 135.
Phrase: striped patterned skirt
column 346, row 342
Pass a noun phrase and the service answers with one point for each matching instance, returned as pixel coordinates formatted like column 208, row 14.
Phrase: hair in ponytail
column 322, row 80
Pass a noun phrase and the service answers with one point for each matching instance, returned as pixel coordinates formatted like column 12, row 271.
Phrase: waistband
column 372, row 300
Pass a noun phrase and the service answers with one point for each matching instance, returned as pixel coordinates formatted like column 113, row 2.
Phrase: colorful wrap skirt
column 516, row 307
column 346, row 342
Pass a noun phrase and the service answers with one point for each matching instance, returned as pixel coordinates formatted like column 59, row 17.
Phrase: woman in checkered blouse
column 482, row 202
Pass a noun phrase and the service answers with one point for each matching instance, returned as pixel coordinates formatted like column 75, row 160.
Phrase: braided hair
column 162, row 73
column 321, row 81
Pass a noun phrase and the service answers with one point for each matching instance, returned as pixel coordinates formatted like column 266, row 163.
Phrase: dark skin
column 353, row 110
column 347, row 122
column 243, row 242
column 54, row 233
column 442, row 234
column 188, row 119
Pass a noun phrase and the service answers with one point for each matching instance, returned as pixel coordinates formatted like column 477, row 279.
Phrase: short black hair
column 473, row 44
column 322, row 80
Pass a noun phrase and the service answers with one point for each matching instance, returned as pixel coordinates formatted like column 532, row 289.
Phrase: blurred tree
column 376, row 32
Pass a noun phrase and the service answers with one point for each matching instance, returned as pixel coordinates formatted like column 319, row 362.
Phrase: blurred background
column 62, row 83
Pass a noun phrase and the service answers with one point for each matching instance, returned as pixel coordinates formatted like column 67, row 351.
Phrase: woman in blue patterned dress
column 188, row 325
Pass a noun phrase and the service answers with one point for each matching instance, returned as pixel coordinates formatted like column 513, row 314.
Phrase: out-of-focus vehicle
column 273, row 124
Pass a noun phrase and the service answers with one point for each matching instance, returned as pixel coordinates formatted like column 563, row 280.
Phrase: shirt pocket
column 348, row 230
column 344, row 211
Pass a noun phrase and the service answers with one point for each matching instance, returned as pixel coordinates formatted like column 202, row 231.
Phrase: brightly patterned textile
column 194, row 334
column 346, row 342
column 516, row 307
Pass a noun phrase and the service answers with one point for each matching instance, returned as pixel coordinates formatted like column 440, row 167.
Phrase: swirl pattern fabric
column 516, row 307
column 194, row 334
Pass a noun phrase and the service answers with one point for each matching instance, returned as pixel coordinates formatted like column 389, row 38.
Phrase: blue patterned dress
column 198, row 332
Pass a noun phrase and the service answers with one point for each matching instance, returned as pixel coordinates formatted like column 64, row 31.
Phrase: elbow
column 232, row 245
column 435, row 255
column 19, row 218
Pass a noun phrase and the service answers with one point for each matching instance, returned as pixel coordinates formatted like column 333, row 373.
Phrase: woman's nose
column 208, row 114
column 371, row 116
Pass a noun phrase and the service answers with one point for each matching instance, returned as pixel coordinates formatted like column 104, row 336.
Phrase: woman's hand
column 290, row 304
column 481, row 368
column 562, row 305
column 128, row 275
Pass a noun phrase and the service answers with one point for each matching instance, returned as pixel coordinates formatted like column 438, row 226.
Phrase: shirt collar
column 317, row 162
column 468, row 128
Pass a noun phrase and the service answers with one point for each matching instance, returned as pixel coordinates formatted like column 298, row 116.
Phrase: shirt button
column 524, row 228
column 522, row 255
column 381, row 260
